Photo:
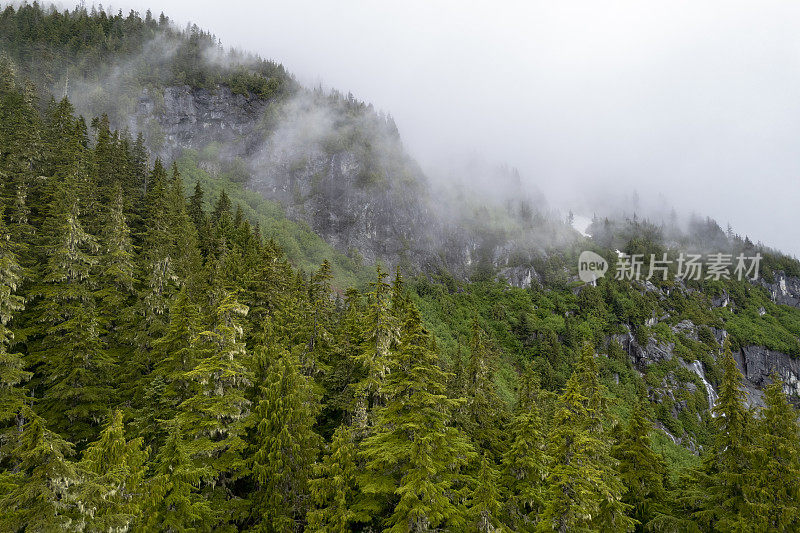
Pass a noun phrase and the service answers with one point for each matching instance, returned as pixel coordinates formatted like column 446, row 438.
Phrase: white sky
column 698, row 101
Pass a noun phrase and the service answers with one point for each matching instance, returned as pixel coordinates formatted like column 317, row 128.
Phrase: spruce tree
column 321, row 310
column 214, row 417
column 117, row 270
column 14, row 409
column 414, row 456
column 75, row 366
column 222, row 208
column 485, row 503
column 157, row 264
column 266, row 293
column 65, row 154
column 584, row 490
column 334, row 486
column 20, row 130
column 728, row 468
column 177, row 353
column 175, row 504
column 641, row 470
column 340, row 386
column 39, row 495
column 774, row 492
column 185, row 250
column 104, row 174
column 140, row 164
column 285, row 447
column 525, row 461
column 112, row 484
column 196, row 212
column 380, row 333
column 399, row 296
column 21, row 231
column 485, row 413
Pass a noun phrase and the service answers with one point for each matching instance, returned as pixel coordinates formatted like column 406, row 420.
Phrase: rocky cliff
column 343, row 170
column 338, row 166
column 783, row 289
column 758, row 364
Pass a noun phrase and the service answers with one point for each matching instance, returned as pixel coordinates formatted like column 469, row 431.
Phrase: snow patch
column 581, row 223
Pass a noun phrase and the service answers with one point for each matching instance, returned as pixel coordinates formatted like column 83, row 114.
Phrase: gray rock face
column 185, row 117
column 522, row 277
column 390, row 221
column 758, row 364
column 654, row 351
column 344, row 175
column 721, row 301
column 784, row 290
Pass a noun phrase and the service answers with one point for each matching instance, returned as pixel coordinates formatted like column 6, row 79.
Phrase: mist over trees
column 165, row 365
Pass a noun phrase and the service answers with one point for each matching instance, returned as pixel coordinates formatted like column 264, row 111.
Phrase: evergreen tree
column 75, row 365
column 484, row 414
column 138, row 184
column 65, row 154
column 139, row 162
column 39, row 495
column 525, row 461
column 334, row 487
column 157, row 267
column 112, row 488
column 185, row 249
column 380, row 333
column 214, row 417
column 584, row 491
column 177, row 353
column 20, row 129
column 196, row 212
column 485, row 504
column 222, row 208
column 774, row 491
column 641, row 470
column 414, row 456
column 117, row 269
column 339, row 383
column 266, row 293
column 175, row 504
column 321, row 309
column 727, row 469
column 104, row 174
column 21, row 231
column 13, row 406
column 399, row 297
column 285, row 447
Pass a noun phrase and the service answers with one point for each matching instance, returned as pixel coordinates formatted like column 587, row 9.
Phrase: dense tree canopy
column 165, row 367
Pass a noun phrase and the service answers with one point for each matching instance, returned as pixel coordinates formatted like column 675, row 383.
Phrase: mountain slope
column 269, row 397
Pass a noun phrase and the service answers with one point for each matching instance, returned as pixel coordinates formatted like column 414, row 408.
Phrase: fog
column 692, row 105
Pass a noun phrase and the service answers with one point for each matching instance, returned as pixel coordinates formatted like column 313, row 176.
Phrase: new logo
column 591, row 267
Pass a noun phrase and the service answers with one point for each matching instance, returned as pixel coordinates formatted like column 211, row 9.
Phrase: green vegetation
column 304, row 248
column 176, row 355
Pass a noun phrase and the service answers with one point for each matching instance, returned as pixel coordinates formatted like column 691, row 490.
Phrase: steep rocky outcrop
column 758, row 364
column 184, row 117
column 321, row 185
column 520, row 276
column 784, row 289
column 341, row 169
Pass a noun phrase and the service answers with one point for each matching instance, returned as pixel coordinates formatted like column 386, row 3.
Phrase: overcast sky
column 695, row 101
